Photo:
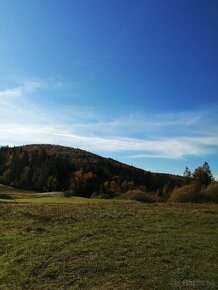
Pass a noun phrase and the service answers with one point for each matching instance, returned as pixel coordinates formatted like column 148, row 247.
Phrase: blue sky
column 133, row 80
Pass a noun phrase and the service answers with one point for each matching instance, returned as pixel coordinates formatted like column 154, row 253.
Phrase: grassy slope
column 49, row 200
column 107, row 245
column 14, row 192
column 24, row 196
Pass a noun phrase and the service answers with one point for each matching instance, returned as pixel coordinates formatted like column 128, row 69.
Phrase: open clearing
column 106, row 244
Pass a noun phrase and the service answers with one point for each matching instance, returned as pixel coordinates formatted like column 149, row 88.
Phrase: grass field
column 74, row 243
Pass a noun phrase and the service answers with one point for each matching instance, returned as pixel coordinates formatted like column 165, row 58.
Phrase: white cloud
column 154, row 136
column 160, row 148
column 21, row 90
column 17, row 92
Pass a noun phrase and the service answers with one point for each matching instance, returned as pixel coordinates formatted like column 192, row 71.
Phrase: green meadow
column 52, row 242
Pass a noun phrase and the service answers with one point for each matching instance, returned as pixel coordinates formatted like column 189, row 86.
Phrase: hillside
column 58, row 168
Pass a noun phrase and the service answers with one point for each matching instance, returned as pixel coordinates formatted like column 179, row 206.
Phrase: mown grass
column 107, row 244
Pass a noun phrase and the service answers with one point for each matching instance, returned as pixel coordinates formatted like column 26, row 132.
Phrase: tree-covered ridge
column 59, row 168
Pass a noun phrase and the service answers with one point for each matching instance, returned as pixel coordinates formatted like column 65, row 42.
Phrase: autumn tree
column 203, row 174
column 83, row 183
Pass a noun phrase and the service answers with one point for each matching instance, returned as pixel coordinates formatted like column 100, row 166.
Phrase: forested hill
column 54, row 168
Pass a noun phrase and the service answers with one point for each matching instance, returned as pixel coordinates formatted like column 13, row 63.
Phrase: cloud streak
column 161, row 136
column 161, row 148
column 22, row 90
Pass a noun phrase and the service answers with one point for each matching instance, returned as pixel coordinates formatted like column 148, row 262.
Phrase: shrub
column 187, row 193
column 139, row 195
column 210, row 193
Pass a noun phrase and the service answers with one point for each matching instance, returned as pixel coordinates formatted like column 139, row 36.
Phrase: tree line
column 77, row 172
column 201, row 174
column 200, row 186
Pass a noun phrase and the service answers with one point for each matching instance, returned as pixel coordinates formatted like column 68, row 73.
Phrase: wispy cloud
column 16, row 92
column 161, row 148
column 153, row 136
column 22, row 89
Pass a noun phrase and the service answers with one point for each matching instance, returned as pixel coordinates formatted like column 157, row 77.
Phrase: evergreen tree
column 207, row 170
column 187, row 172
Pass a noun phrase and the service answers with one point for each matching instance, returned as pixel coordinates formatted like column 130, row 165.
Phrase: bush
column 139, row 195
column 210, row 193
column 187, row 193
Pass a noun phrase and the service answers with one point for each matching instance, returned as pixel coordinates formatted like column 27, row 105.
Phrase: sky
column 136, row 81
